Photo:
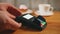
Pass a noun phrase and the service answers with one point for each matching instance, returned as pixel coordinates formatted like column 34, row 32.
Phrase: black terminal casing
column 33, row 22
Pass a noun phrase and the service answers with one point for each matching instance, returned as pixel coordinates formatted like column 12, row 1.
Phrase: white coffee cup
column 45, row 9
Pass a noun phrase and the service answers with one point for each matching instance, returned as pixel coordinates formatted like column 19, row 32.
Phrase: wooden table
column 53, row 26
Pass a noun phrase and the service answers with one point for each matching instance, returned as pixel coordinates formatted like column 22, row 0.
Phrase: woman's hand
column 7, row 15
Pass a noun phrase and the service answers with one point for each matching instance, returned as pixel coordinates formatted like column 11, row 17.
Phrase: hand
column 7, row 15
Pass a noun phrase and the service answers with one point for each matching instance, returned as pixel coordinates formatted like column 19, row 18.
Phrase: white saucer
column 49, row 13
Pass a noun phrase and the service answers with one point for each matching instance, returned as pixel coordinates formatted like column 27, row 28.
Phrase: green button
column 43, row 22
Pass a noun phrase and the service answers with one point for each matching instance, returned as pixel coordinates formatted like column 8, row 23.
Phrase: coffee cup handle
column 51, row 8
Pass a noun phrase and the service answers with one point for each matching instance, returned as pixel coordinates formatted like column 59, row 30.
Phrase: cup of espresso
column 45, row 9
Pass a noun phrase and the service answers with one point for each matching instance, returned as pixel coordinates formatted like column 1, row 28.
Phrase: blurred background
column 34, row 3
column 53, row 20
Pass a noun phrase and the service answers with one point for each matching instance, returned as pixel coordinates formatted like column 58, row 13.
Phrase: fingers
column 10, row 15
column 5, row 19
column 13, row 23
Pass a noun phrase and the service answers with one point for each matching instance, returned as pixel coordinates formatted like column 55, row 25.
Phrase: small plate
column 48, row 13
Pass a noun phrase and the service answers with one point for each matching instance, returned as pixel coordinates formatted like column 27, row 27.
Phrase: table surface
column 53, row 26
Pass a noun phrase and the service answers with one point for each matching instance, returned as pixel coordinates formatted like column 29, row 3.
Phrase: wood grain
column 53, row 26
